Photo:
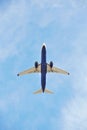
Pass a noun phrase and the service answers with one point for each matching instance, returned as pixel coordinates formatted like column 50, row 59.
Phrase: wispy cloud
column 74, row 113
column 20, row 23
column 12, row 26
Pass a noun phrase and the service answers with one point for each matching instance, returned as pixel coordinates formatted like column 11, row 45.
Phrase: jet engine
column 36, row 64
column 51, row 64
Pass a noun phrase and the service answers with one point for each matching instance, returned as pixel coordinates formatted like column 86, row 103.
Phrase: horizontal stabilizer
column 40, row 91
column 48, row 91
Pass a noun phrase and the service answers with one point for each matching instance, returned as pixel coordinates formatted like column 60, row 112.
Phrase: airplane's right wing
column 31, row 70
column 56, row 70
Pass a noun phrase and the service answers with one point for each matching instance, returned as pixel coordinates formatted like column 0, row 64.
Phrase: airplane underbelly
column 43, row 81
column 43, row 76
column 44, row 68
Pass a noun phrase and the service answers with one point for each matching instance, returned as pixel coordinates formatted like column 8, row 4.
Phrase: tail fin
column 40, row 91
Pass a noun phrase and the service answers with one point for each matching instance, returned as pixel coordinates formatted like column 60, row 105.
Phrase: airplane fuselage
column 43, row 68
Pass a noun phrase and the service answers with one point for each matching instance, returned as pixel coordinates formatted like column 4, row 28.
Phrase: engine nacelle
column 36, row 64
column 51, row 64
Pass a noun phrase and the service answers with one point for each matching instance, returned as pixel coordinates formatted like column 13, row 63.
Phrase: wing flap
column 56, row 70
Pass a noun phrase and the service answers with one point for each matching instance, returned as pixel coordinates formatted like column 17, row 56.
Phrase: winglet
column 17, row 74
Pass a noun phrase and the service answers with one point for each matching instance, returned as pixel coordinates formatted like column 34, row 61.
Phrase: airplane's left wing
column 31, row 70
column 56, row 70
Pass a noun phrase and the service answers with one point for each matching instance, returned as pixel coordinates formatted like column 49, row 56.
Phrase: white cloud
column 54, row 11
column 13, row 25
column 14, row 21
column 47, row 3
column 7, row 51
column 60, row 3
column 11, row 100
column 75, row 114
column 78, row 4
column 79, row 62
column 12, row 29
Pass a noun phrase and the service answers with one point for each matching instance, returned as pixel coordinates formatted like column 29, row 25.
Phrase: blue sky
column 24, row 26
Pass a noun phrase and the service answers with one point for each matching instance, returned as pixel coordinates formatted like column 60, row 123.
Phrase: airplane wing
column 56, row 70
column 31, row 70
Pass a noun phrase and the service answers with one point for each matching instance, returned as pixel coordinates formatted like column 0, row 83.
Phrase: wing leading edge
column 56, row 70
column 31, row 70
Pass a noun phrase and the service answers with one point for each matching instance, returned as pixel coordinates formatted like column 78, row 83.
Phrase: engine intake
column 36, row 64
column 51, row 64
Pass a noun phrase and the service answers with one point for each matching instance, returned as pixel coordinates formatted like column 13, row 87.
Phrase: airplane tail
column 40, row 91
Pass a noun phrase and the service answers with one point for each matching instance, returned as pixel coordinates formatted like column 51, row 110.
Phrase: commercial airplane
column 43, row 68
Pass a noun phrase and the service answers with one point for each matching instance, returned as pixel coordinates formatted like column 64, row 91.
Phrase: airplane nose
column 44, row 45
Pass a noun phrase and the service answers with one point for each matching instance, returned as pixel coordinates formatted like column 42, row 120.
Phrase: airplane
column 43, row 68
